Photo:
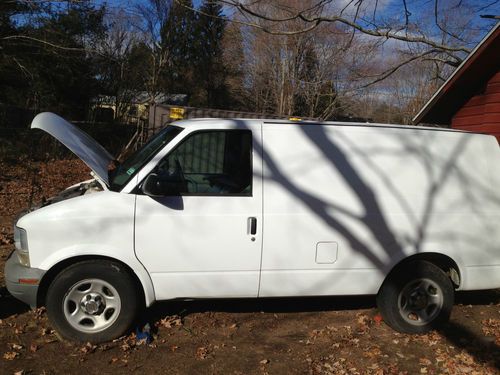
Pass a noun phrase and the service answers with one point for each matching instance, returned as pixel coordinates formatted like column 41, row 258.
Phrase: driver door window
column 210, row 163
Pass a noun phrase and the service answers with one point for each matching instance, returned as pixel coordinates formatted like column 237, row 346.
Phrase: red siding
column 481, row 113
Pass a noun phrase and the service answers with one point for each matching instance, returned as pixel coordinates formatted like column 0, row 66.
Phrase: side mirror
column 156, row 187
column 150, row 185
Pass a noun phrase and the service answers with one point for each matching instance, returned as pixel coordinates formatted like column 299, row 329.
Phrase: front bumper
column 15, row 271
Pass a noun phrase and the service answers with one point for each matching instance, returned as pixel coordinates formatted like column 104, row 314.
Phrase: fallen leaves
column 202, row 352
column 429, row 339
column 14, row 353
column 465, row 358
column 170, row 321
column 129, row 342
column 373, row 352
column 38, row 179
column 16, row 346
column 6, row 237
column 331, row 365
column 9, row 356
column 39, row 313
column 363, row 322
column 424, row 362
column 378, row 319
column 491, row 327
column 88, row 348
column 327, row 333
column 46, row 331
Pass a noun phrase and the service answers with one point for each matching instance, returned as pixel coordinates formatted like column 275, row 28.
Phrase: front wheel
column 416, row 298
column 94, row 300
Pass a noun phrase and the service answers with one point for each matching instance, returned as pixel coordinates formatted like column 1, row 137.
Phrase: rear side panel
column 344, row 204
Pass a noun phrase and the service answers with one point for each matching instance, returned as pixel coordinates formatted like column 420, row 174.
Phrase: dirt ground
column 275, row 336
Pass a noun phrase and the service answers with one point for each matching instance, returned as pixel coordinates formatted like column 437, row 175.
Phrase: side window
column 210, row 163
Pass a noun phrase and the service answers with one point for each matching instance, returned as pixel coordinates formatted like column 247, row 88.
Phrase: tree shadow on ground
column 479, row 297
column 9, row 305
column 252, row 305
column 483, row 349
column 290, row 304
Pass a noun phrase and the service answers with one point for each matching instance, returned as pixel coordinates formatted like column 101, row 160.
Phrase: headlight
column 20, row 239
column 21, row 243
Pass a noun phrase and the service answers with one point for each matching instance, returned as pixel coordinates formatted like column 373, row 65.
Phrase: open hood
column 79, row 142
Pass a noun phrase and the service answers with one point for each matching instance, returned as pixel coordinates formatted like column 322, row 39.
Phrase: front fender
column 64, row 255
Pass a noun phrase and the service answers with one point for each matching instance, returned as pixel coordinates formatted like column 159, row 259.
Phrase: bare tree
column 314, row 74
column 233, row 56
column 153, row 16
column 440, row 30
column 121, row 73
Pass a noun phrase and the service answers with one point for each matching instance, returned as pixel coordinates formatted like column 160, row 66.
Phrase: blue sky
column 122, row 4
column 385, row 8
column 389, row 10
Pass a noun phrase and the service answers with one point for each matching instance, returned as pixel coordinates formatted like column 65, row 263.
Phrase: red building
column 470, row 98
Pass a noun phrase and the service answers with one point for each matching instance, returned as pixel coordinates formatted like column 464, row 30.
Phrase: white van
column 254, row 208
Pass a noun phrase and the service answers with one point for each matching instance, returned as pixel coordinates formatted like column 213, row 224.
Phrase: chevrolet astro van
column 213, row 208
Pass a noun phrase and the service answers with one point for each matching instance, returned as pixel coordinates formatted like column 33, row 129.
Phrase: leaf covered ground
column 271, row 336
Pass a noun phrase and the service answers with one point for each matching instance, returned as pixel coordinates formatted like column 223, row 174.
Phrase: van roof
column 183, row 123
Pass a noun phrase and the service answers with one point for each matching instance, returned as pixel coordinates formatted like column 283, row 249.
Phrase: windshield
column 120, row 176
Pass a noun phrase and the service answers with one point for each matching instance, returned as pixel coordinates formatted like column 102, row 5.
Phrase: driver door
column 205, row 239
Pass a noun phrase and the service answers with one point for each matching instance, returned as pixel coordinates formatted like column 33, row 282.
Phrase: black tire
column 416, row 297
column 92, row 301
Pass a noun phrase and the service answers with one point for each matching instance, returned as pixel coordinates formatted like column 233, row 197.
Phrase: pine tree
column 210, row 70
column 45, row 63
column 178, row 39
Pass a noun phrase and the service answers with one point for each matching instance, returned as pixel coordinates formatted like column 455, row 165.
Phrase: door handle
column 252, row 225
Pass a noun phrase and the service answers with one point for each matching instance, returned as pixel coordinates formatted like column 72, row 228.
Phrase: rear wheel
column 416, row 298
column 93, row 300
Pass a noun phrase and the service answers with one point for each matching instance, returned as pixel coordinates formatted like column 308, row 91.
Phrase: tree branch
column 395, row 68
column 32, row 39
column 436, row 21
column 315, row 21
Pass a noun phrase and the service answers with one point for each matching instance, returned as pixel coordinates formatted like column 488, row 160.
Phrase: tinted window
column 211, row 163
